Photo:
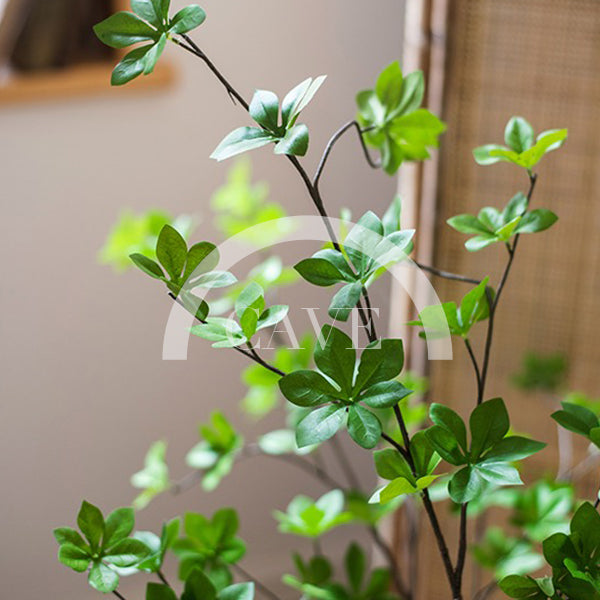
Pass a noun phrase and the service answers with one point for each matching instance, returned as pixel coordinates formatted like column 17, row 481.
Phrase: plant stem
column 494, row 304
column 429, row 508
column 259, row 586
column 462, row 547
column 447, row 274
column 334, row 139
column 251, row 354
column 118, row 595
column 475, row 367
column 162, row 577
column 313, row 190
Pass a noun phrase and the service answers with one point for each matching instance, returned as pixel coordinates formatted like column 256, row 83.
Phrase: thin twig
column 162, row 577
column 494, row 304
column 251, row 354
column 259, row 585
column 334, row 139
column 462, row 547
column 475, row 367
column 118, row 595
column 447, row 274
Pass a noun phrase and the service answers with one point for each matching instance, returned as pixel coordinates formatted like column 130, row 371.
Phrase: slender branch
column 373, row 331
column 162, row 577
column 393, row 442
column 476, row 368
column 259, row 585
column 334, row 139
column 447, row 274
column 251, row 354
column 346, row 465
column 312, row 189
column 118, row 595
column 494, row 304
column 462, row 547
column 429, row 508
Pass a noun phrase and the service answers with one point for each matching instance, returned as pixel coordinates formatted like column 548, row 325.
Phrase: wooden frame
column 78, row 81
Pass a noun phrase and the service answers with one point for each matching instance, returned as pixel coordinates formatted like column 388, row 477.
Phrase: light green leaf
column 295, row 141
column 119, row 525
column 91, row 524
column 74, row 557
column 148, row 266
column 320, row 425
column 537, row 220
column 264, row 109
column 519, row 135
column 103, row 578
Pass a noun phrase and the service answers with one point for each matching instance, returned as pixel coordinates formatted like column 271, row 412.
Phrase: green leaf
column 413, row 89
column 516, row 207
column 514, row 448
column 389, row 86
column 298, row 99
column 276, row 443
column 468, row 224
column 198, row 587
column 149, row 10
column 273, row 315
column 307, row 388
column 390, row 464
column 345, row 299
column 385, row 394
column 214, row 279
column 355, row 566
column 295, row 141
column 171, row 251
column 252, row 296
column 391, row 218
column 364, row 427
column 445, row 417
column 520, row 586
column 320, row 425
column 238, row 591
column 445, row 444
column 264, row 109
column 337, row 357
column 537, row 220
column 186, row 19
column 321, row 271
column 489, row 423
column 131, row 66
column 74, row 557
column 241, row 140
column 154, row 477
column 158, row 591
column 474, row 306
column 498, row 473
column 480, row 242
column 103, row 578
column 119, row 525
column 201, row 258
column 127, row 552
column 465, row 485
column 577, row 419
column 381, row 361
column 91, row 524
column 483, row 155
column 519, row 135
column 124, row 29
column 147, row 265
column 154, row 53
column 64, row 535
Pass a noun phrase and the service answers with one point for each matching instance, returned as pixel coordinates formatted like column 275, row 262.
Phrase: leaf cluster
column 393, row 121
column 343, row 385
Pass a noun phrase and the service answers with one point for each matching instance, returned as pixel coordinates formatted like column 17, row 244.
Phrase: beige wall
column 84, row 389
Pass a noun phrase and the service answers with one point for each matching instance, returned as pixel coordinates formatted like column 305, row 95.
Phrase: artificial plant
column 424, row 452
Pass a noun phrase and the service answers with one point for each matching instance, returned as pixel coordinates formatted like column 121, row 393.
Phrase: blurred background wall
column 84, row 389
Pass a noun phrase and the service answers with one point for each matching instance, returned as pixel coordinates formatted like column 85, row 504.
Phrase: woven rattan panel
column 539, row 59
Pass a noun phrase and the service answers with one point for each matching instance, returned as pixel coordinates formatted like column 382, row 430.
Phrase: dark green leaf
column 171, row 251
column 335, row 356
column 307, row 388
column 295, row 141
column 344, row 301
column 355, row 566
column 390, row 464
column 241, row 140
column 132, row 65
column 445, row 444
column 186, row 19
column 147, row 265
column 201, row 258
column 119, row 525
column 198, row 587
column 364, row 427
column 74, row 557
column 127, row 552
column 65, row 535
column 156, row 591
column 381, row 361
column 320, row 271
column 91, row 524
column 124, row 29
column 465, row 485
column 445, row 417
column 154, row 53
column 149, row 10
column 489, row 423
column 385, row 394
column 264, row 109
column 513, row 448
